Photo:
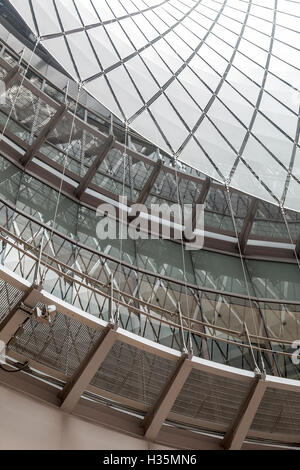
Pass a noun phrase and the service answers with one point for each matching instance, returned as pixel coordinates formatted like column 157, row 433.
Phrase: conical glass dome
column 214, row 83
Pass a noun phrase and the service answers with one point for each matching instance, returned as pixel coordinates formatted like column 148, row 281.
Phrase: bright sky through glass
column 212, row 82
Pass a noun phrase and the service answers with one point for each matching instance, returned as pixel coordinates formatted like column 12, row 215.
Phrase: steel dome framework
column 214, row 83
column 165, row 372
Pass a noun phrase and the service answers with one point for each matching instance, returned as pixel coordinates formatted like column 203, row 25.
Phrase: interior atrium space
column 149, row 224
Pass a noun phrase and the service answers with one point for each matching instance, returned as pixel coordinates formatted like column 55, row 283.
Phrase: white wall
column 26, row 423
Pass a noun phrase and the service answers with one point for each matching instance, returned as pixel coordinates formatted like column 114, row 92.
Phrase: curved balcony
column 150, row 319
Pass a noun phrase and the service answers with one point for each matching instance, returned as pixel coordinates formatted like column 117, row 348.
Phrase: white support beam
column 235, row 436
column 159, row 412
column 16, row 317
column 73, row 390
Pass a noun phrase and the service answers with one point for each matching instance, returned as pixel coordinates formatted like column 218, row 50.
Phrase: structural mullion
column 34, row 148
column 247, row 226
column 150, row 182
column 159, row 412
column 235, row 436
column 87, row 179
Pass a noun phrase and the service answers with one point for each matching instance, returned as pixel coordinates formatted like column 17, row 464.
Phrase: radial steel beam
column 150, row 182
column 11, row 77
column 16, row 317
column 86, row 180
column 73, row 390
column 236, row 435
column 159, row 412
column 33, row 149
column 201, row 200
column 247, row 226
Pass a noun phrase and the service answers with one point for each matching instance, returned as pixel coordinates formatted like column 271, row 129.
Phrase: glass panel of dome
column 156, row 21
column 259, row 39
column 273, row 140
column 46, row 17
column 200, row 93
column 279, row 115
column 129, row 99
column 265, row 167
column 183, row 103
column 53, row 44
column 101, row 89
column 103, row 10
column 287, row 53
column 215, row 145
column 213, row 59
column 170, row 123
column 103, row 46
column 247, row 66
column 288, row 21
column 22, row 7
column 87, row 12
column 142, row 78
column 227, row 124
column 144, row 24
column 145, row 125
column 68, row 15
column 159, row 69
column 288, row 95
column 193, row 154
column 190, row 38
column 135, row 32
column 83, row 55
column 117, row 8
column 169, row 55
column 175, row 19
column 292, row 196
column 220, row 47
column 243, row 177
column 285, row 35
column 236, row 103
column 285, row 72
column 119, row 39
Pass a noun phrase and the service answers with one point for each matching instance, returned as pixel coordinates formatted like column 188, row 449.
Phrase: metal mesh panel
column 62, row 345
column 211, row 398
column 9, row 297
column 134, row 374
column 279, row 412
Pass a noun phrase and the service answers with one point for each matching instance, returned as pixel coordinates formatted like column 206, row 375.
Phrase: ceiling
column 214, row 83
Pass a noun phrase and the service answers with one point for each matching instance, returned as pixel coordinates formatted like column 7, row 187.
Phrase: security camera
column 45, row 314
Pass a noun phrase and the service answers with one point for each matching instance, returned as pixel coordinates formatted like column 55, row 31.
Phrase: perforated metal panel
column 214, row 82
column 211, row 398
column 62, row 345
column 279, row 412
column 9, row 297
column 134, row 374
